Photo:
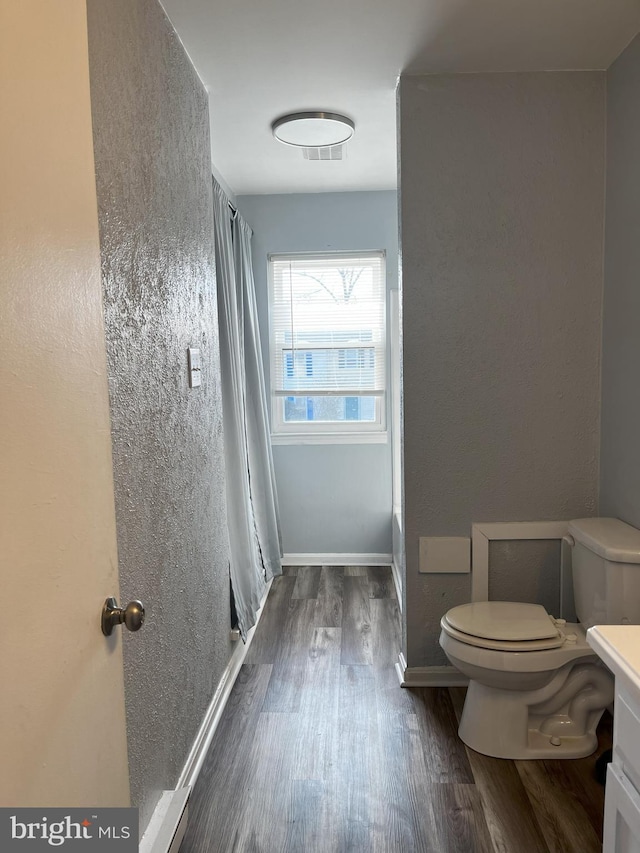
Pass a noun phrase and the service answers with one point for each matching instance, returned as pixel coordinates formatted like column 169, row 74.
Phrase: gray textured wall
column 333, row 498
column 502, row 194
column 620, row 455
column 526, row 571
column 151, row 137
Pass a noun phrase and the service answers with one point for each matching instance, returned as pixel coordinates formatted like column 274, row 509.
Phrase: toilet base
column 529, row 724
column 538, row 746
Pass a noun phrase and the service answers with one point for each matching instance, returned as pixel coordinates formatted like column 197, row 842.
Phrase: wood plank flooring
column 320, row 751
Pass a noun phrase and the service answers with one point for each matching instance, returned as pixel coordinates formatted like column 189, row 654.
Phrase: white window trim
column 357, row 432
column 378, row 437
column 395, row 367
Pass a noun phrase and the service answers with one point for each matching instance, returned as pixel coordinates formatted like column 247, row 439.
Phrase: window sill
column 330, row 438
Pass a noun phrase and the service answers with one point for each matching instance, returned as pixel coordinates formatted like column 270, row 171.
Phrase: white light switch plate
column 445, row 555
column 195, row 367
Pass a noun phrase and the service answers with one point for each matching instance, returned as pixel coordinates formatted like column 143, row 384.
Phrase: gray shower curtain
column 252, row 506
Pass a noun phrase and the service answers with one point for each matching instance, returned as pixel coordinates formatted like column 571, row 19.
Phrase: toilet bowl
column 540, row 697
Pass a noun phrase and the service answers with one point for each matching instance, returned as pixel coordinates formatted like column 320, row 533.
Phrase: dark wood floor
column 320, row 751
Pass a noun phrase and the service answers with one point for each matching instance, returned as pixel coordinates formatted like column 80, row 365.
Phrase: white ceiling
column 262, row 58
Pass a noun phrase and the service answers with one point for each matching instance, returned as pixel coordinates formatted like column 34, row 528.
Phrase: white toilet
column 536, row 688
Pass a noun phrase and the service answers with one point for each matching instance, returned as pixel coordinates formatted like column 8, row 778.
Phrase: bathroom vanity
column 619, row 647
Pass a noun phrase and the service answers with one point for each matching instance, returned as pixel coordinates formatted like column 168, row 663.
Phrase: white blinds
column 328, row 324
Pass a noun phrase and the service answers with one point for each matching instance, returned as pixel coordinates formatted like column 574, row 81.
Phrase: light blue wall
column 620, row 451
column 334, row 499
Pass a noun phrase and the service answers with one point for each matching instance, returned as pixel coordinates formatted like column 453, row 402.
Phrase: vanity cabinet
column 619, row 647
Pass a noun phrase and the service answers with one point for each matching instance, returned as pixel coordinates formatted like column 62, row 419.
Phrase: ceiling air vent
column 326, row 152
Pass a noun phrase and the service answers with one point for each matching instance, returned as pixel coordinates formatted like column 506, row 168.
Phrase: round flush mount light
column 313, row 129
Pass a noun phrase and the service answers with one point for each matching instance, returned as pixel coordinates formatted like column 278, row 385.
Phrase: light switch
column 445, row 555
column 195, row 367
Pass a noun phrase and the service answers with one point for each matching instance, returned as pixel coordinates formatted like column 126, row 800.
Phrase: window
column 328, row 334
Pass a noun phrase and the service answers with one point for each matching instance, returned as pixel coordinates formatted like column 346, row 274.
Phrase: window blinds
column 328, row 324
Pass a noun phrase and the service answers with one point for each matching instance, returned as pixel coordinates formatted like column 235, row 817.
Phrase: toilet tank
column 606, row 571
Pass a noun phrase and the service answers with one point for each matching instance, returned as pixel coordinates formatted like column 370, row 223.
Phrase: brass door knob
column 132, row 616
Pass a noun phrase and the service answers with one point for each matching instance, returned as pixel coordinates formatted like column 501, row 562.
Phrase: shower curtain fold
column 252, row 506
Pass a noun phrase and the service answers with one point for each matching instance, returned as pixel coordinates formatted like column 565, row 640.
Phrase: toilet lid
column 503, row 620
column 503, row 645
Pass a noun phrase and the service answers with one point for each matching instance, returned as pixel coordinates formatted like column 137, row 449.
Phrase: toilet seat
column 503, row 626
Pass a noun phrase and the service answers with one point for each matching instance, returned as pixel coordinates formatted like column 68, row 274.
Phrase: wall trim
column 168, row 823
column 203, row 738
column 377, row 437
column 428, row 676
column 397, row 580
column 162, row 834
column 337, row 560
column 482, row 534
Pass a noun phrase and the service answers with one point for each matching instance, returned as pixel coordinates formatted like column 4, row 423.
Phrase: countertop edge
column 609, row 652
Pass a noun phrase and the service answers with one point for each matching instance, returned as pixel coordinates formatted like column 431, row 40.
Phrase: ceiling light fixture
column 315, row 129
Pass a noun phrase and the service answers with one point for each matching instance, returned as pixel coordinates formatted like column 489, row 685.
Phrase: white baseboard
column 429, row 676
column 209, row 724
column 337, row 560
column 397, row 580
column 168, row 823
column 158, row 836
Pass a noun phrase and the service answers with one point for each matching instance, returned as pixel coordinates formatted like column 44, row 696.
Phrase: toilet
column 536, row 688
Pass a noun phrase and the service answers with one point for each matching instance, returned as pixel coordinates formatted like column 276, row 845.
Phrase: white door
column 62, row 721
